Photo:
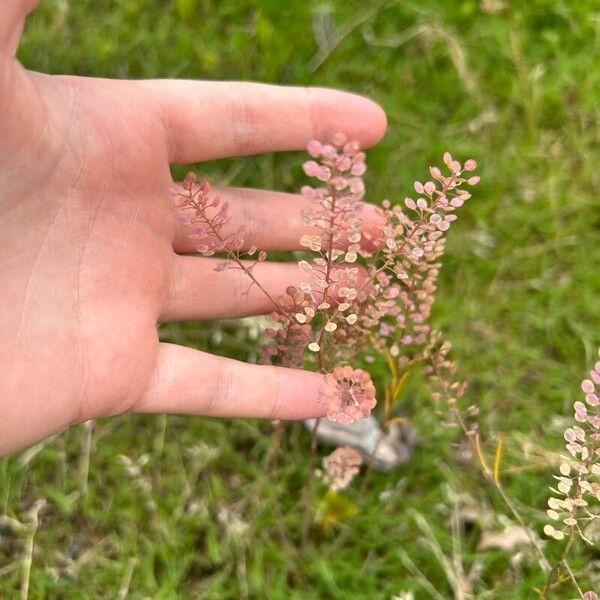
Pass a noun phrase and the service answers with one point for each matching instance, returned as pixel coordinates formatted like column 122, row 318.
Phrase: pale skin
column 92, row 257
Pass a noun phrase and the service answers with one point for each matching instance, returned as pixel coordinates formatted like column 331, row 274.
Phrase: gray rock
column 385, row 451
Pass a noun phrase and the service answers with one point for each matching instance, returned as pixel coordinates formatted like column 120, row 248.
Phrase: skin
column 92, row 255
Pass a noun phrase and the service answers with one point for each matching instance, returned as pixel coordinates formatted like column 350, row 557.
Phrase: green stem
column 308, row 490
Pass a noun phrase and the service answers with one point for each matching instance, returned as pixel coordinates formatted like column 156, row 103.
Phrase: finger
column 205, row 119
column 12, row 18
column 271, row 220
column 200, row 292
column 189, row 381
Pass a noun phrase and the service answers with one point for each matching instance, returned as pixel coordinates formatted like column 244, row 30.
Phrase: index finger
column 206, row 119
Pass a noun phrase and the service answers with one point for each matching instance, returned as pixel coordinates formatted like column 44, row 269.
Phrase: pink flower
column 189, row 181
column 312, row 168
column 206, row 217
column 314, row 148
column 359, row 169
column 351, row 148
column 339, row 139
column 349, row 394
column 385, row 329
column 429, row 187
column 341, row 466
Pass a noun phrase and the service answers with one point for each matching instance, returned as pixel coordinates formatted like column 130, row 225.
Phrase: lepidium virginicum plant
column 369, row 286
column 367, row 296
column 579, row 481
column 573, row 507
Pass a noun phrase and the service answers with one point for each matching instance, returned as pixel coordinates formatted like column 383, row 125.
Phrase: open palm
column 92, row 255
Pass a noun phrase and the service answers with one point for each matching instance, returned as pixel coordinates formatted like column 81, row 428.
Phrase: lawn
column 188, row 507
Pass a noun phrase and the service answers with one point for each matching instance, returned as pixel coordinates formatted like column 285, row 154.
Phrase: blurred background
column 182, row 507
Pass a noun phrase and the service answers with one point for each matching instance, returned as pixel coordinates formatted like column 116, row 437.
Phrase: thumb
column 12, row 18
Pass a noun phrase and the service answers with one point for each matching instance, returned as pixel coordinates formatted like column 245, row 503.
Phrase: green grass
column 516, row 89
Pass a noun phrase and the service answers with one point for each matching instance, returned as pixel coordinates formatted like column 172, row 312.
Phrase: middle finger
column 272, row 220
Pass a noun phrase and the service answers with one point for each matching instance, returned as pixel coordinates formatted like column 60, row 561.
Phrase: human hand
column 92, row 256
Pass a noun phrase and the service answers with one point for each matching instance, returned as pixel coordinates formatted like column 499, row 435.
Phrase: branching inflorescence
column 371, row 273
column 579, row 479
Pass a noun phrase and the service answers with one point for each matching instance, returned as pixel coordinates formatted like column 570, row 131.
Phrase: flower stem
column 308, row 489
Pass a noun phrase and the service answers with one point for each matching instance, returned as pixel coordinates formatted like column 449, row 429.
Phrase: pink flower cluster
column 442, row 374
column 370, row 283
column 579, row 481
column 413, row 242
column 341, row 466
column 206, row 217
column 349, row 394
column 318, row 313
column 383, row 305
column 289, row 341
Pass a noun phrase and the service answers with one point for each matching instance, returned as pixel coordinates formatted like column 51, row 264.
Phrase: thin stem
column 488, row 475
column 203, row 218
column 28, row 558
column 554, row 569
column 567, row 568
column 84, row 461
column 126, row 581
column 328, row 269
column 308, row 489
column 233, row 256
